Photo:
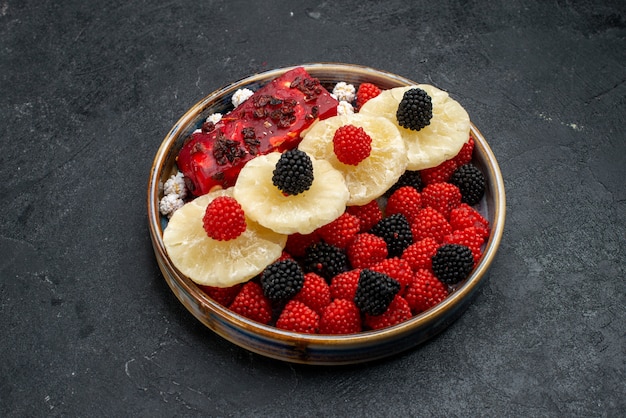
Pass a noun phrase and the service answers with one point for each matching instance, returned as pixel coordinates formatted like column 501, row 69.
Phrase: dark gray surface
column 89, row 89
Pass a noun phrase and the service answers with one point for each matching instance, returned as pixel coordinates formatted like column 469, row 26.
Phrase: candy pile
column 319, row 220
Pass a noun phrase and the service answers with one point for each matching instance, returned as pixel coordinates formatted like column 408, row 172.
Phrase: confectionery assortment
column 328, row 210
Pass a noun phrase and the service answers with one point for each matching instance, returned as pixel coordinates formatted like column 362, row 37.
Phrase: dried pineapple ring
column 218, row 263
column 263, row 202
column 375, row 174
column 430, row 146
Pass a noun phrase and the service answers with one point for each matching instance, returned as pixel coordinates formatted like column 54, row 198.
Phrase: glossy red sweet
column 270, row 120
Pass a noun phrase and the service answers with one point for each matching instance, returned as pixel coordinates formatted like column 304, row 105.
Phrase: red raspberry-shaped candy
column 430, row 224
column 222, row 295
column 368, row 214
column 351, row 144
column 366, row 250
column 397, row 312
column 466, row 216
column 341, row 231
column 425, row 291
column 340, row 317
column 471, row 237
column 252, row 303
column 465, row 155
column 315, row 292
column 366, row 92
column 419, row 255
column 298, row 317
column 406, row 200
column 298, row 243
column 396, row 268
column 443, row 197
column 344, row 285
column 438, row 174
column 224, row 219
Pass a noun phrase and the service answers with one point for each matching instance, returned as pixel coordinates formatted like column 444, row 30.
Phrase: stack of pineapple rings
column 271, row 216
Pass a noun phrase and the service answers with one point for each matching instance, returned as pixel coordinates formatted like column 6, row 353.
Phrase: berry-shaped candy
column 415, row 109
column 443, row 197
column 325, row 260
column 282, row 280
column 224, row 219
column 368, row 214
column 419, row 255
column 453, row 263
column 344, row 285
column 315, row 292
column 471, row 237
column 406, row 200
column 425, row 291
column 375, row 292
column 396, row 231
column 293, row 173
column 351, row 144
column 252, row 303
column 438, row 174
column 340, row 317
column 297, row 243
column 466, row 216
column 396, row 268
column 298, row 317
column 366, row 92
column 471, row 182
column 465, row 155
column 430, row 224
column 340, row 232
column 397, row 312
column 366, row 250
column 408, row 178
column 222, row 295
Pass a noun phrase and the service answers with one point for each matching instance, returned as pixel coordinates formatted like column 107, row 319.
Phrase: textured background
column 88, row 91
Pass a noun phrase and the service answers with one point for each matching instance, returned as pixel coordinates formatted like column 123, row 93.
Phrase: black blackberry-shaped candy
column 470, row 181
column 395, row 230
column 325, row 260
column 375, row 292
column 293, row 173
column 415, row 109
column 408, row 178
column 452, row 263
column 282, row 280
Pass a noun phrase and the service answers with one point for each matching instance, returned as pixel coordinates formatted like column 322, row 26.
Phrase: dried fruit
column 218, row 263
column 322, row 203
column 372, row 176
